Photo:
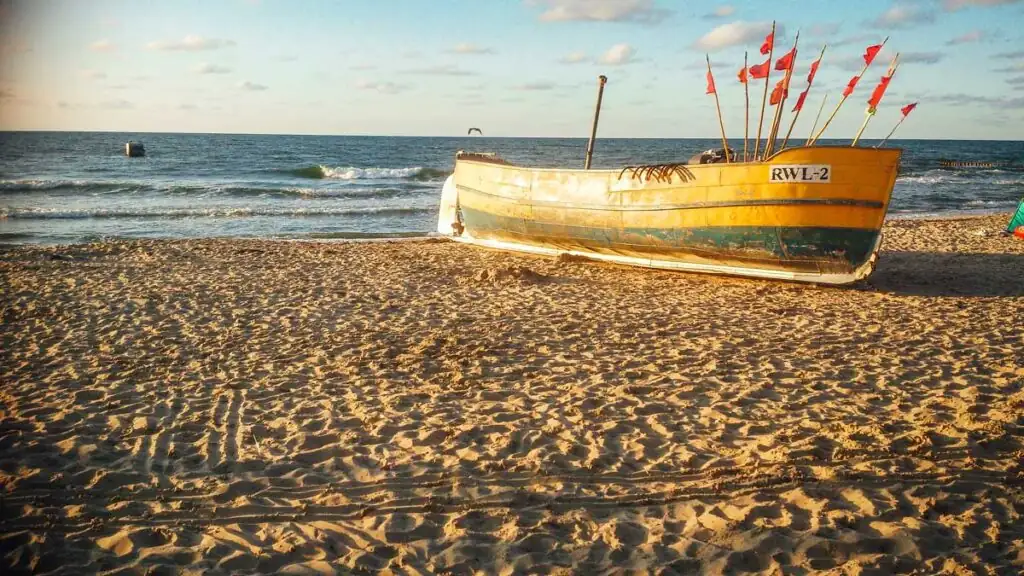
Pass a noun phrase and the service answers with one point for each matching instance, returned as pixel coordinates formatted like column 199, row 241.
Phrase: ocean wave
column 71, row 187
column 320, row 172
column 212, row 212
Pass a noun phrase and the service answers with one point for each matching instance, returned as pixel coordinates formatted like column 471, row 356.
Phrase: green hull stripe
column 777, row 245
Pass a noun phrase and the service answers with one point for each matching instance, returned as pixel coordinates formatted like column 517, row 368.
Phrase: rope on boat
column 660, row 172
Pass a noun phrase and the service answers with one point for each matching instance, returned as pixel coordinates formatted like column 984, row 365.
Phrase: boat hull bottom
column 832, row 278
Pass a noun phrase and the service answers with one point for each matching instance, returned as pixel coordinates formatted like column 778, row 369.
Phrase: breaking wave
column 212, row 212
column 320, row 172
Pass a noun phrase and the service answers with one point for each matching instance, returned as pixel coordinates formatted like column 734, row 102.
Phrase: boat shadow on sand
column 948, row 274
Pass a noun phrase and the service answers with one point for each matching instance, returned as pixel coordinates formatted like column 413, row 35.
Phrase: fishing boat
column 810, row 214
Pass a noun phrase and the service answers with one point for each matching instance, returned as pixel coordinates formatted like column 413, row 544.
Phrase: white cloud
column 535, row 86
column 721, row 12
column 445, row 70
column 970, row 37
column 382, row 87
column 1018, row 67
column 115, row 105
column 207, row 68
column 467, row 48
column 187, row 107
column 362, row 67
column 574, row 58
column 618, row 55
column 1010, row 55
column 103, row 46
column 954, row 5
column 251, row 86
column 921, row 57
column 92, row 74
column 599, row 10
column 191, row 44
column 823, row 29
column 903, row 16
column 735, row 34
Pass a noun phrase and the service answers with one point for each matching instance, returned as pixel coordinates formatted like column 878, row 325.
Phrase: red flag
column 769, row 41
column 711, row 83
column 850, row 86
column 779, row 92
column 814, row 70
column 870, row 53
column 786, row 62
column 743, row 75
column 906, row 109
column 876, row 96
column 800, row 101
column 758, row 71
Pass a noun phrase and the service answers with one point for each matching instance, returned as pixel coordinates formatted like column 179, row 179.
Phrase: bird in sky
column 477, row 131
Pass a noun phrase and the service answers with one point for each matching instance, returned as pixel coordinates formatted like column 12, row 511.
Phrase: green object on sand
column 1018, row 218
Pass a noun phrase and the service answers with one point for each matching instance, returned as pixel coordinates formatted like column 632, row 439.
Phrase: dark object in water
column 712, row 156
column 134, row 149
column 973, row 164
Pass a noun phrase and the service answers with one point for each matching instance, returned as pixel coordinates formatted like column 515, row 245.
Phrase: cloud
column 287, row 58
column 466, row 48
column 115, row 105
column 1018, row 81
column 1018, row 67
column 720, row 12
column 187, row 107
column 921, row 57
column 868, row 38
column 574, row 58
column 382, row 87
column 735, row 34
column 207, row 68
column 362, row 67
column 968, row 38
column 251, row 86
column 823, row 29
column 618, row 55
column 1010, row 55
column 444, row 70
column 103, row 46
column 961, row 99
column 191, row 44
column 536, row 86
column 904, row 16
column 599, row 10
column 92, row 74
column 954, row 5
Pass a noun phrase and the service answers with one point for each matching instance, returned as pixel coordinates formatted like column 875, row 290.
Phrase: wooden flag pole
column 774, row 132
column 764, row 97
column 871, row 110
column 601, row 80
column 746, row 109
column 797, row 115
column 843, row 99
column 816, row 118
column 721, row 124
column 893, row 131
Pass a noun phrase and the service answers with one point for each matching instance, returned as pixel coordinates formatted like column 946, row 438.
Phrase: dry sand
column 218, row 407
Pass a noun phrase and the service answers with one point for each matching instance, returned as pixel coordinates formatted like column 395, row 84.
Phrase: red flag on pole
column 758, row 71
column 786, row 61
column 850, row 86
column 779, row 92
column 769, row 41
column 876, row 96
column 711, row 83
column 814, row 70
column 870, row 53
column 743, row 75
column 908, row 108
column 800, row 101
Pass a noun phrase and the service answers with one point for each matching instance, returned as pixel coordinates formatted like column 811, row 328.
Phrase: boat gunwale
column 764, row 162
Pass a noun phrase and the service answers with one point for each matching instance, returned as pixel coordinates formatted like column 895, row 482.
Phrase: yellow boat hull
column 810, row 214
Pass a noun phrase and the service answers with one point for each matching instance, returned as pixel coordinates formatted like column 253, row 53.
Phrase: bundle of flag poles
column 786, row 64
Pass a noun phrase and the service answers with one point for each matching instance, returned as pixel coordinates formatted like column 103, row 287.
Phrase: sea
column 74, row 187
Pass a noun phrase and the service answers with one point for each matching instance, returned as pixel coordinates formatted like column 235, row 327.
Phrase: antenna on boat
column 601, row 80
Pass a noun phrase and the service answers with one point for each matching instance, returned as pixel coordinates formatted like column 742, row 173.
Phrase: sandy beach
column 232, row 406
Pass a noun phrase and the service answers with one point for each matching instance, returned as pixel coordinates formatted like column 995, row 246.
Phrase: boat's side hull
column 711, row 218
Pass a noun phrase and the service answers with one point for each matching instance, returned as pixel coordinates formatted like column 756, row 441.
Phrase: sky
column 510, row 67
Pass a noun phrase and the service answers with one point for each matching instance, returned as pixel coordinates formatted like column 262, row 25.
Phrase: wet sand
column 229, row 406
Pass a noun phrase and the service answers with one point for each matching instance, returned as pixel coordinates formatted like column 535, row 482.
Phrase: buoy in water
column 134, row 149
